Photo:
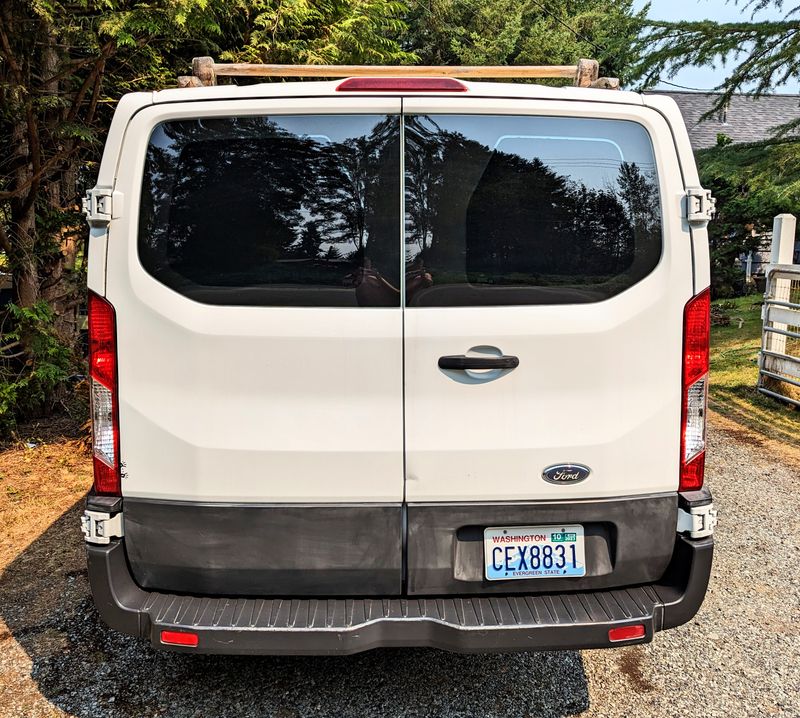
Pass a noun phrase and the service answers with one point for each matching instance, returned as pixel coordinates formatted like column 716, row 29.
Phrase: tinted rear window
column 279, row 210
column 527, row 210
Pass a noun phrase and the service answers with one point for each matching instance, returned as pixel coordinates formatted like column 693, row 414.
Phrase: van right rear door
column 549, row 233
column 547, row 268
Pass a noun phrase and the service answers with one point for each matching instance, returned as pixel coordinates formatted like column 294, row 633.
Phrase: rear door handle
column 464, row 362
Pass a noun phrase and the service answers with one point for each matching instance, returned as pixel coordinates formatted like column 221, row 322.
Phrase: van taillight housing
column 104, row 395
column 696, row 331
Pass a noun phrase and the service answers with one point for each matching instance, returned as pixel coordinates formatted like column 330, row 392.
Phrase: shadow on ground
column 88, row 670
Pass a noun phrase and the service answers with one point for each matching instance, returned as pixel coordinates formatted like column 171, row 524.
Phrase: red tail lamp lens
column 626, row 633
column 103, row 385
column 102, row 341
column 696, row 335
column 179, row 638
column 696, row 331
column 693, row 473
column 403, row 84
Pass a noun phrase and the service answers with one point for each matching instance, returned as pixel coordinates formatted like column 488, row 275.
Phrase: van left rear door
column 255, row 274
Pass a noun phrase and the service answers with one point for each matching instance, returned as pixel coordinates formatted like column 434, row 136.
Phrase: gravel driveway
column 739, row 657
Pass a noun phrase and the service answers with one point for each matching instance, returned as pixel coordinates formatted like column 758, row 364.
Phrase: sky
column 704, row 78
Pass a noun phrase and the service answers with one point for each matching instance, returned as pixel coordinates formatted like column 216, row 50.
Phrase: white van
column 398, row 362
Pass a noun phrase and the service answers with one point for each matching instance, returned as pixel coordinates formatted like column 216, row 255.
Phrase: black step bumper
column 546, row 621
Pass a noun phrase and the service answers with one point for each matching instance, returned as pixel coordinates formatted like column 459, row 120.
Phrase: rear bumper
column 553, row 621
column 356, row 550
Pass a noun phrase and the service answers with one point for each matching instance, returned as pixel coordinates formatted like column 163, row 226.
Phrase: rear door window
column 282, row 210
column 527, row 210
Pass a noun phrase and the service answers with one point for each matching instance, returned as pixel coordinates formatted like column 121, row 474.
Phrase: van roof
column 328, row 88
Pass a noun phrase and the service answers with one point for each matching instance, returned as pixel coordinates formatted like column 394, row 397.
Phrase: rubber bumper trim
column 342, row 626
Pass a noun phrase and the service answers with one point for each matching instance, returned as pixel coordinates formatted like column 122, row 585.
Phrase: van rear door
column 548, row 233
column 256, row 282
column 547, row 271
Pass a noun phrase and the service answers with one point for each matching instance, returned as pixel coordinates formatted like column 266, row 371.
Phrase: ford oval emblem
column 566, row 473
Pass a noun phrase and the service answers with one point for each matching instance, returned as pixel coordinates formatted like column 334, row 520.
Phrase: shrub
column 32, row 380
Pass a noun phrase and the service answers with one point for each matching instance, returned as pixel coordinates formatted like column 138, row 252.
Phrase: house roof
column 746, row 119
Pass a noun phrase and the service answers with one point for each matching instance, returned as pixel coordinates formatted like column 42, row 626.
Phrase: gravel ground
column 739, row 657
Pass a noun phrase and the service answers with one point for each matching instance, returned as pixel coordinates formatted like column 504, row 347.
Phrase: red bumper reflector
column 626, row 633
column 404, row 84
column 179, row 638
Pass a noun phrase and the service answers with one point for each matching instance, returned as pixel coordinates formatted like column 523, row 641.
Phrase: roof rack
column 585, row 74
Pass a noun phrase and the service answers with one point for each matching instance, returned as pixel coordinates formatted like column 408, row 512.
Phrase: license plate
column 533, row 552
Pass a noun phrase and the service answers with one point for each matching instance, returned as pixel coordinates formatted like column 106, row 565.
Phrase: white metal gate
column 779, row 361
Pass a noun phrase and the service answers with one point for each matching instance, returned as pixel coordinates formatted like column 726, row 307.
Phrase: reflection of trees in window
column 256, row 187
column 246, row 202
column 424, row 165
column 481, row 216
column 356, row 181
column 310, row 242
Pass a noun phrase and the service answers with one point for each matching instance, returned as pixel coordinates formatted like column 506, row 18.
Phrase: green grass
column 734, row 374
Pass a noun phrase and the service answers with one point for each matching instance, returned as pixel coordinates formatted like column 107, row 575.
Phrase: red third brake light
column 103, row 384
column 404, row 84
column 696, row 332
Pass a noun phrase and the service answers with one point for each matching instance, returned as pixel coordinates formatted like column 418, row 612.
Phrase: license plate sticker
column 516, row 552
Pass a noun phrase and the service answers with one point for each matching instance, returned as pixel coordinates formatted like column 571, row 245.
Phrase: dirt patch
column 745, row 436
column 630, row 665
column 41, row 476
column 771, row 447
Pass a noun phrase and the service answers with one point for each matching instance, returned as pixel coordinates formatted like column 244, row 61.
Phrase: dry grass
column 734, row 375
column 40, row 478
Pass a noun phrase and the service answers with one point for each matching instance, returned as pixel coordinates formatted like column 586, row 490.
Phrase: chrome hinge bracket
column 698, row 521
column 99, row 527
column 700, row 205
column 101, row 205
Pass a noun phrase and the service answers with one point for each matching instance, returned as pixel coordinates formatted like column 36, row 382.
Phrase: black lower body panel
column 265, row 549
column 627, row 541
column 357, row 550
column 563, row 620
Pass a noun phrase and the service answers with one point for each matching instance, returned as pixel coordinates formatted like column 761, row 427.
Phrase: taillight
column 103, row 380
column 402, row 84
column 696, row 331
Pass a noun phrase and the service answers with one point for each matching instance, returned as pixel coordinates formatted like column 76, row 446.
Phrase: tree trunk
column 23, row 225
column 23, row 261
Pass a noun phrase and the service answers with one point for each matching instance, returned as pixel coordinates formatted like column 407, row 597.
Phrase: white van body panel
column 598, row 384
column 106, row 177
column 250, row 404
column 234, row 398
column 328, row 88
column 671, row 112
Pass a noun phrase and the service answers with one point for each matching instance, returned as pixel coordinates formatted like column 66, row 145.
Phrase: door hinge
column 99, row 527
column 700, row 205
column 698, row 521
column 101, row 205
